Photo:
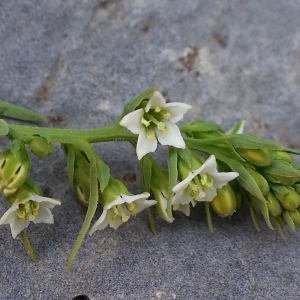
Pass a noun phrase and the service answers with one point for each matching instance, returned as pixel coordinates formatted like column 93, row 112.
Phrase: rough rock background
column 78, row 62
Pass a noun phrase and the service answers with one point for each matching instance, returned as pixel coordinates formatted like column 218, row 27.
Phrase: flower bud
column 260, row 180
column 291, row 200
column 40, row 147
column 258, row 157
column 282, row 155
column 284, row 180
column 281, row 220
column 224, row 203
column 273, row 205
column 14, row 169
column 295, row 216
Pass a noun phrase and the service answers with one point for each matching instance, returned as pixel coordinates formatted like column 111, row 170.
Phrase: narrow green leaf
column 173, row 176
column 282, row 168
column 200, row 126
column 264, row 209
column 238, row 128
column 136, row 101
column 4, row 130
column 253, row 217
column 185, row 155
column 293, row 151
column 89, row 215
column 278, row 228
column 250, row 141
column 289, row 220
column 16, row 112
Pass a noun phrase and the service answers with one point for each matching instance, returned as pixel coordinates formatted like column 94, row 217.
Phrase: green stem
column 27, row 246
column 106, row 134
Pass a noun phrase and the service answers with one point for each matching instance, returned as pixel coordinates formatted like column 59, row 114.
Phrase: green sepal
column 253, row 217
column 288, row 220
column 15, row 146
column 279, row 190
column 134, row 102
column 103, row 173
column 278, row 228
column 251, row 141
column 146, row 169
column 282, row 168
column 185, row 155
column 4, row 130
column 265, row 211
column 173, row 176
column 16, row 112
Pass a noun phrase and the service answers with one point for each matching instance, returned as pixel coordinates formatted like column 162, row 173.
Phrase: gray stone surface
column 78, row 62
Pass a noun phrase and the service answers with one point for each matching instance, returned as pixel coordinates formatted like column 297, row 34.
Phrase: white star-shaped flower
column 156, row 122
column 33, row 208
column 200, row 185
column 119, row 211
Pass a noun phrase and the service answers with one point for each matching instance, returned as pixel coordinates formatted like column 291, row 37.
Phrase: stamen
column 165, row 114
column 157, row 109
column 150, row 135
column 131, row 208
column 124, row 216
column 145, row 122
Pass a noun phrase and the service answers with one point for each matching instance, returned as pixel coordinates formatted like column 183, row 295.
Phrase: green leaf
column 293, row 151
column 251, row 141
column 16, row 112
column 289, row 220
column 265, row 211
column 282, row 168
column 136, row 101
column 173, row 176
column 200, row 126
column 238, row 128
column 297, row 187
column 146, row 168
column 4, row 130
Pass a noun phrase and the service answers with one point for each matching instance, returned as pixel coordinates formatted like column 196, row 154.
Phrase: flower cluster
column 206, row 167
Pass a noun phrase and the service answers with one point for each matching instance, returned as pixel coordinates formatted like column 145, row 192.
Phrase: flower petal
column 156, row 100
column 172, row 137
column 184, row 183
column 185, row 208
column 144, row 145
column 115, row 225
column 210, row 194
column 209, row 166
column 142, row 204
column 221, row 179
column 101, row 223
column 44, row 216
column 17, row 226
column 181, row 197
column 132, row 121
column 46, row 202
column 177, row 110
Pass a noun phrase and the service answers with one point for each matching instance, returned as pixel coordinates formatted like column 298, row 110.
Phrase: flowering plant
column 206, row 167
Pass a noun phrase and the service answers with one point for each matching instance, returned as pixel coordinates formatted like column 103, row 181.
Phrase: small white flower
column 33, row 208
column 156, row 122
column 119, row 211
column 200, row 185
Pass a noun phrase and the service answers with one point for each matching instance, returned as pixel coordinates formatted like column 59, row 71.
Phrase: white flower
column 200, row 185
column 33, row 208
column 156, row 122
column 119, row 211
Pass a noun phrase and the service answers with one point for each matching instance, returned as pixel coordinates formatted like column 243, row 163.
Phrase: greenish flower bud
column 282, row 155
column 284, row 179
column 291, row 200
column 184, row 169
column 258, row 157
column 273, row 205
column 260, row 180
column 281, row 220
column 224, row 204
column 295, row 216
column 14, row 169
column 40, row 147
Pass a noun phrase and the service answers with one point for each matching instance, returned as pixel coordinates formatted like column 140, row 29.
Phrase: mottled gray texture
column 78, row 62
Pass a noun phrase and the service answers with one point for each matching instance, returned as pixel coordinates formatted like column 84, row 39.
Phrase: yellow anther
column 28, row 211
column 165, row 131
column 157, row 109
column 145, row 122
column 131, row 208
column 150, row 135
column 166, row 115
